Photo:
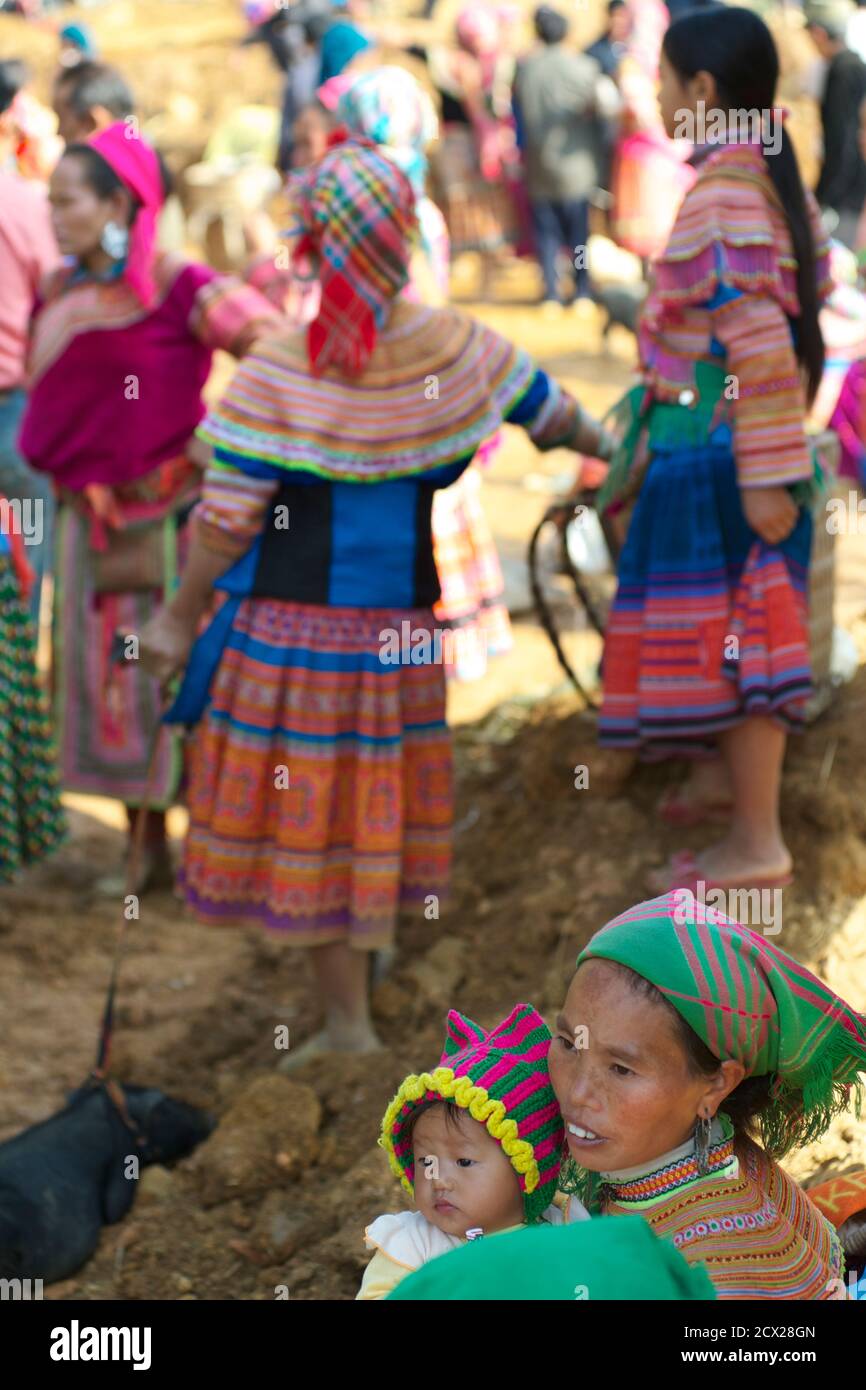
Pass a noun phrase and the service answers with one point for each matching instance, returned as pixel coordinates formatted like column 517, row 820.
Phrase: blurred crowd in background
column 531, row 143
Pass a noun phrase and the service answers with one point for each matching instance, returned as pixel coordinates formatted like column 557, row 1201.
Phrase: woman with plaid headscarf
column 321, row 790
column 390, row 107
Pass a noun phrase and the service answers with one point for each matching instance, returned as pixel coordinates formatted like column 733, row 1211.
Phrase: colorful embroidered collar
column 675, row 1171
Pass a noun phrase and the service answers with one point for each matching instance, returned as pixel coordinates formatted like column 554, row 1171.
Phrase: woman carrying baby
column 683, row 1037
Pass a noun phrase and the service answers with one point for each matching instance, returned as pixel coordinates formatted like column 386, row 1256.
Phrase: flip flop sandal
column 685, row 876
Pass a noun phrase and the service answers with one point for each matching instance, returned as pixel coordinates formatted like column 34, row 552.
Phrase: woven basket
column 480, row 213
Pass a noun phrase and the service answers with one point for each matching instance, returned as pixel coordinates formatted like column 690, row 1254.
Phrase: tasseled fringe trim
column 756, row 266
column 760, row 256
column 797, row 1116
column 579, row 1182
column 692, row 279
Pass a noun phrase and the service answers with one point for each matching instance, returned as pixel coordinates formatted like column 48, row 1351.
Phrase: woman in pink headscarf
column 121, row 345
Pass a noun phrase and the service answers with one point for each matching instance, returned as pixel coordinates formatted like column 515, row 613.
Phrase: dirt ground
column 279, row 1197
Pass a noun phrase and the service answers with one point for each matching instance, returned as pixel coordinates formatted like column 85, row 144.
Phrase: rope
column 132, row 863
column 558, row 512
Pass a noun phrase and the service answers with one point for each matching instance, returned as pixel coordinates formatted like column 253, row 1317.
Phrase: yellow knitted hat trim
column 481, row 1106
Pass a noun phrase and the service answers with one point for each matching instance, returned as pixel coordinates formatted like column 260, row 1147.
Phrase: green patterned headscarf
column 749, row 1002
column 611, row 1257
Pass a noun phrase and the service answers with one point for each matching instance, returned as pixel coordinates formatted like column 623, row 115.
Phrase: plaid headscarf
column 749, row 1002
column 355, row 216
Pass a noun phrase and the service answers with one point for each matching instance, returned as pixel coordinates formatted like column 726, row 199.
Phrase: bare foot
column 727, row 862
column 357, row 1040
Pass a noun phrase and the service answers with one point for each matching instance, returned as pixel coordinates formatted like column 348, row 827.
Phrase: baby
column 484, row 1134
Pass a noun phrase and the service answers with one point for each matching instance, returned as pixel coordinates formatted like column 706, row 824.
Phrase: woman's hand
column 771, row 511
column 164, row 645
column 198, row 452
column 104, row 505
column 591, row 437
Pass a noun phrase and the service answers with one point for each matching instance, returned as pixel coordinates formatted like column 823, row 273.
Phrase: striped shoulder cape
column 733, row 209
column 436, row 385
column 731, row 235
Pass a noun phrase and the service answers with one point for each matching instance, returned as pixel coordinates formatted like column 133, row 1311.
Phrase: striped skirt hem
column 709, row 625
column 320, row 789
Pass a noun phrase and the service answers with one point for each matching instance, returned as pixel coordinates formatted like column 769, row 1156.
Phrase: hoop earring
column 703, row 1130
column 114, row 241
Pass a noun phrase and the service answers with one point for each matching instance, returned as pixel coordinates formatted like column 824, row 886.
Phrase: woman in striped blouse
column 321, row 790
column 707, row 645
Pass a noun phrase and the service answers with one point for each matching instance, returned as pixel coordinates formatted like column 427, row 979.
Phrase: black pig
column 62, row 1180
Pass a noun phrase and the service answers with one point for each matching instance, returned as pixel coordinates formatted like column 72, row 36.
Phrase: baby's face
column 463, row 1178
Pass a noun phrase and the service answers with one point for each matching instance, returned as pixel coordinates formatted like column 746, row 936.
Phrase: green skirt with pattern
column 31, row 819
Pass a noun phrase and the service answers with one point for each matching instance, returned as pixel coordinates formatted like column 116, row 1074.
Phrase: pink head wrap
column 330, row 92
column 136, row 165
column 478, row 30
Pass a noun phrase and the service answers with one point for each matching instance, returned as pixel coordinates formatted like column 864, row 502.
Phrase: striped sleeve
column 228, row 314
column 547, row 412
column 765, row 390
column 233, row 506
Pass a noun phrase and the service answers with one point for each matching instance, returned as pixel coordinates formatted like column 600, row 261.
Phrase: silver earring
column 703, row 1130
column 114, row 241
